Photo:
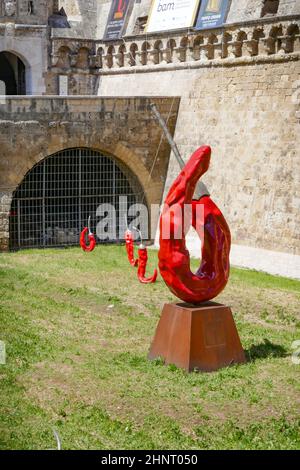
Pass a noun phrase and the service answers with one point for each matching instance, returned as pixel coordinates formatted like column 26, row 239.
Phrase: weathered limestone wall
column 239, row 94
column 88, row 18
column 102, row 16
column 244, row 10
column 31, row 45
column 76, row 59
column 41, row 10
column 27, row 36
column 73, row 8
column 289, row 7
column 33, row 128
column 239, row 11
column 83, row 18
column 249, row 114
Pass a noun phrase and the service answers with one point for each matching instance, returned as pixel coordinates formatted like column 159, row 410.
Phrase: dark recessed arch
column 53, row 202
column 12, row 73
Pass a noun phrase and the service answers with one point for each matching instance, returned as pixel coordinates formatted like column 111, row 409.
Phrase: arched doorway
column 56, row 197
column 12, row 74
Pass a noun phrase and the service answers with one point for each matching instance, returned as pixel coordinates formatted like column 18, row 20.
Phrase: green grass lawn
column 77, row 329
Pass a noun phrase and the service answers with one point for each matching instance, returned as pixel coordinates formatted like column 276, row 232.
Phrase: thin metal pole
column 200, row 190
column 167, row 133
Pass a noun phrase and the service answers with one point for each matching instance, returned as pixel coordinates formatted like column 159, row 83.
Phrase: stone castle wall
column 239, row 94
column 41, row 10
column 250, row 116
column 92, row 14
column 34, row 128
column 31, row 46
column 239, row 87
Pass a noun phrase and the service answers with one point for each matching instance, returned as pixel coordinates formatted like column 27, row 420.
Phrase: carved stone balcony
column 243, row 42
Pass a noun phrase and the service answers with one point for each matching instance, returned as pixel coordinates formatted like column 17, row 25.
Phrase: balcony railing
column 179, row 49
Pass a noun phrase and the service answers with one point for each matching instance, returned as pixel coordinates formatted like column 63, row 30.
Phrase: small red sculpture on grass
column 91, row 237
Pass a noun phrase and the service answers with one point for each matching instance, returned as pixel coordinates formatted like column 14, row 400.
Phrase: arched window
column 12, row 73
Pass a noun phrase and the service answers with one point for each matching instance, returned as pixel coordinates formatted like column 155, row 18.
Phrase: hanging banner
column 116, row 19
column 167, row 15
column 212, row 14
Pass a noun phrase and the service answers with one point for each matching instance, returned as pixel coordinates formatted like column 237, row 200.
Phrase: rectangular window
column 30, row 8
column 270, row 8
column 63, row 85
column 2, row 88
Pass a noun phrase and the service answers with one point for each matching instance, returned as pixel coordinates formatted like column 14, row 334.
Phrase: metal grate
column 56, row 197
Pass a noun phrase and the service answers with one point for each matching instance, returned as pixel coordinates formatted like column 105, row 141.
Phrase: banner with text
column 116, row 19
column 167, row 15
column 212, row 14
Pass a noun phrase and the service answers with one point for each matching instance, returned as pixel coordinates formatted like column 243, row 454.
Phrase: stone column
column 5, row 203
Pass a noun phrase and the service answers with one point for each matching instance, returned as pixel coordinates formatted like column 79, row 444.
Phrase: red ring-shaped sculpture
column 92, row 240
column 174, row 258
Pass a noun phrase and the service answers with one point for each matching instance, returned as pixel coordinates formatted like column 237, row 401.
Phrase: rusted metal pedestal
column 197, row 337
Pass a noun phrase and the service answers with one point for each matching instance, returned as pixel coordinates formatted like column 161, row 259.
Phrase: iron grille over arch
column 56, row 197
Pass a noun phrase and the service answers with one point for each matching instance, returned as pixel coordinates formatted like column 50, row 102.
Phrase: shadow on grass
column 265, row 350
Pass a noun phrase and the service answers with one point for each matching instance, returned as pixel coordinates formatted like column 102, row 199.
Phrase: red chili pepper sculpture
column 174, row 258
column 91, row 237
column 143, row 259
column 130, row 248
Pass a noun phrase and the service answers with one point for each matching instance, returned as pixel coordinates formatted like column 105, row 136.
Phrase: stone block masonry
column 249, row 117
column 247, row 108
column 240, row 92
column 123, row 128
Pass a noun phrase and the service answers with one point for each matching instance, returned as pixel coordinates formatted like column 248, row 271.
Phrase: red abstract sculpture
column 130, row 248
column 142, row 265
column 174, row 258
column 91, row 237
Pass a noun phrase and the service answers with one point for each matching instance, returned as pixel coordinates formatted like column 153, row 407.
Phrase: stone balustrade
column 185, row 48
